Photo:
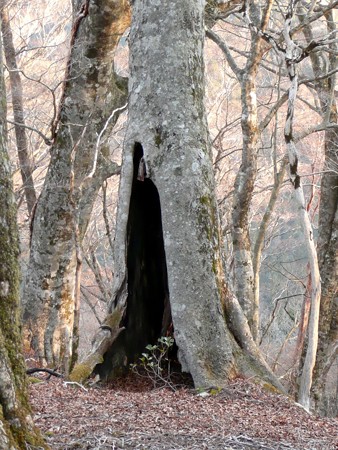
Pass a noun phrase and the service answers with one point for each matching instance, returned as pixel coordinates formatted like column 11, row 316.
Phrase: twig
column 75, row 383
column 92, row 172
column 45, row 138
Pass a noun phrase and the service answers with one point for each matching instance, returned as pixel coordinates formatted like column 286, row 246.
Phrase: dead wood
column 40, row 369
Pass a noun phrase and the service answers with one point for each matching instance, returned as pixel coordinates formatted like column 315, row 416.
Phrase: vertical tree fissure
column 147, row 314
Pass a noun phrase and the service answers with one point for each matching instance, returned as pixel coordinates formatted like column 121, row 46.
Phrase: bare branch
column 315, row 129
column 269, row 116
column 222, row 45
column 91, row 306
column 45, row 138
column 105, row 216
column 310, row 19
column 98, row 142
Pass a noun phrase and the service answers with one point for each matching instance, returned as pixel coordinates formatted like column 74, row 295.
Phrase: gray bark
column 79, row 165
column 294, row 54
column 16, row 425
column 26, row 164
column 166, row 116
column 167, row 163
column 328, row 219
column 244, row 275
column 259, row 243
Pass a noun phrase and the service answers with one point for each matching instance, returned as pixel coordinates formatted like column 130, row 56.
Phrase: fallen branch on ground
column 40, row 369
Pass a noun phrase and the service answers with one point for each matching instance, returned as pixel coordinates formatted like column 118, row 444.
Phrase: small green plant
column 207, row 392
column 155, row 363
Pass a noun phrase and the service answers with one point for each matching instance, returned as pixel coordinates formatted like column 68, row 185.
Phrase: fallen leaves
column 132, row 415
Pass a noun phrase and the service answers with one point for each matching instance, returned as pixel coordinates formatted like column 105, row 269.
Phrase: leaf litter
column 131, row 414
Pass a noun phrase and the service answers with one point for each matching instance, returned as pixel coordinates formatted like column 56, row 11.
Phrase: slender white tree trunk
column 292, row 55
column 328, row 217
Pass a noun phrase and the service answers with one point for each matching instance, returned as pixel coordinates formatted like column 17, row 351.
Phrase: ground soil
column 132, row 414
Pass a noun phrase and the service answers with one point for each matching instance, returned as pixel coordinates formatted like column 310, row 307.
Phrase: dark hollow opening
column 147, row 315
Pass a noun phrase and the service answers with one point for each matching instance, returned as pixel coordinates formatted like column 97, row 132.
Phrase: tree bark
column 26, row 164
column 244, row 275
column 17, row 430
column 167, row 128
column 294, row 54
column 168, row 246
column 328, row 220
column 243, row 191
column 259, row 242
column 92, row 98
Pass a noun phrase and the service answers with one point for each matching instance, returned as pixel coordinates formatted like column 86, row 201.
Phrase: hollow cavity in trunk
column 147, row 315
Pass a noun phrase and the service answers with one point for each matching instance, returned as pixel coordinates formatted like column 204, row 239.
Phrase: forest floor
column 131, row 414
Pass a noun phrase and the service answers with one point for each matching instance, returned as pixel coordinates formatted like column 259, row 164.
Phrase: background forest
column 270, row 102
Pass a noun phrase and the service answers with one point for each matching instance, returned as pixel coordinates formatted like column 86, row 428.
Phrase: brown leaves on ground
column 132, row 415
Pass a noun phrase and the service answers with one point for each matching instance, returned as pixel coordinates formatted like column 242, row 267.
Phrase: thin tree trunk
column 243, row 191
column 299, row 350
column 244, row 278
column 328, row 221
column 293, row 55
column 263, row 226
column 73, row 348
column 92, row 99
column 16, row 425
column 259, row 243
column 26, row 163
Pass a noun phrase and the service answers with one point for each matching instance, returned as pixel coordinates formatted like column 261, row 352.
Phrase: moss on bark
column 15, row 416
column 82, row 371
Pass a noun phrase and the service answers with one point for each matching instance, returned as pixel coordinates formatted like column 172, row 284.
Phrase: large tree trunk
column 168, row 257
column 16, row 426
column 93, row 96
column 26, row 164
column 167, row 225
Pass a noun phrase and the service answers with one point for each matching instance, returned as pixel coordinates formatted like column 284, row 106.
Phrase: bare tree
column 247, row 255
column 26, row 163
column 168, row 256
column 292, row 54
column 16, row 424
column 326, row 63
column 93, row 96
column 245, row 179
